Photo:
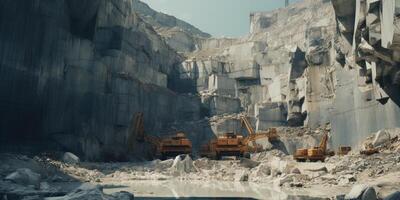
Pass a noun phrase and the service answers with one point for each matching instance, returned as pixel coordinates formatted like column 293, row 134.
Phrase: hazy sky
column 217, row 17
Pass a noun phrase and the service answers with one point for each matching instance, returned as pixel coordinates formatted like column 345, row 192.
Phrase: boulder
column 356, row 191
column 285, row 179
column 381, row 137
column 346, row 179
column 295, row 171
column 393, row 196
column 245, row 162
column 25, row 177
column 183, row 166
column 123, row 196
column 70, row 158
column 86, row 191
column 278, row 165
column 369, row 194
column 165, row 164
column 241, row 176
column 262, row 170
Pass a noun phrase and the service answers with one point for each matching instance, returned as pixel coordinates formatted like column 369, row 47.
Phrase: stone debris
column 241, row 176
column 269, row 167
column 183, row 166
column 381, row 137
column 245, row 162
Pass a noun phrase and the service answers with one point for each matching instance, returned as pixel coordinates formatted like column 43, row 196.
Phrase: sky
column 229, row 18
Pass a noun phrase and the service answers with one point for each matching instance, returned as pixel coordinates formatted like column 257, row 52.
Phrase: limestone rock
column 25, row 177
column 262, row 170
column 183, row 166
column 241, row 176
column 295, row 171
column 381, row 137
column 369, row 194
column 86, row 192
column 245, row 162
column 393, row 196
column 70, row 158
column 356, row 191
column 123, row 196
column 287, row 179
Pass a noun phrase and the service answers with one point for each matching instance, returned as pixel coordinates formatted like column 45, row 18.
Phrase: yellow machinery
column 316, row 153
column 164, row 147
column 231, row 144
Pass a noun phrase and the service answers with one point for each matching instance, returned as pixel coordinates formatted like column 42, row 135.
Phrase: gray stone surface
column 393, row 196
column 75, row 76
column 356, row 191
column 369, row 102
column 25, row 177
column 70, row 158
column 369, row 194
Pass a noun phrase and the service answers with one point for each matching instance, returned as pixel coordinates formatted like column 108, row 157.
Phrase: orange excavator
column 231, row 144
column 316, row 153
column 164, row 147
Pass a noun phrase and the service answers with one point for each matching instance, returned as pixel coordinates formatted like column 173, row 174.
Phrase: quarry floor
column 268, row 175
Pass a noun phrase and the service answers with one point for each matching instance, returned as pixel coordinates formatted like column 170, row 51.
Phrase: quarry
column 111, row 99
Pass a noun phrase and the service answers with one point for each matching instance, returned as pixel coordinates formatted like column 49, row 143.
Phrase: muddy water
column 199, row 190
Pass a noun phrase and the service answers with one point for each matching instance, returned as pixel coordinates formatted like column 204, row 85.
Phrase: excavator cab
column 165, row 147
column 232, row 144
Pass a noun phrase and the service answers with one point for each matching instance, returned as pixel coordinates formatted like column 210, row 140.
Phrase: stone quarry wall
column 283, row 70
column 312, row 63
column 73, row 73
column 367, row 48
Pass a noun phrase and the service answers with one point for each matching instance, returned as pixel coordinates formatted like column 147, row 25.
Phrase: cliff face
column 73, row 73
column 311, row 63
column 281, row 72
column 367, row 49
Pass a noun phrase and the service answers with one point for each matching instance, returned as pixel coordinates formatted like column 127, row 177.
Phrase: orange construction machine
column 170, row 146
column 316, row 153
column 231, row 144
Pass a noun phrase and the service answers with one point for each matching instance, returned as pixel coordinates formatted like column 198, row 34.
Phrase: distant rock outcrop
column 180, row 35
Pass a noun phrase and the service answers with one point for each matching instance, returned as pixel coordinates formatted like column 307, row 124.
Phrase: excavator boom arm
column 324, row 142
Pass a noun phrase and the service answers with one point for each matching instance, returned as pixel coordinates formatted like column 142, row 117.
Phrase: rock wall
column 282, row 70
column 312, row 63
column 73, row 73
column 367, row 49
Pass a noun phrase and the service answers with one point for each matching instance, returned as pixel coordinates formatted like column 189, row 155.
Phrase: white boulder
column 70, row 158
